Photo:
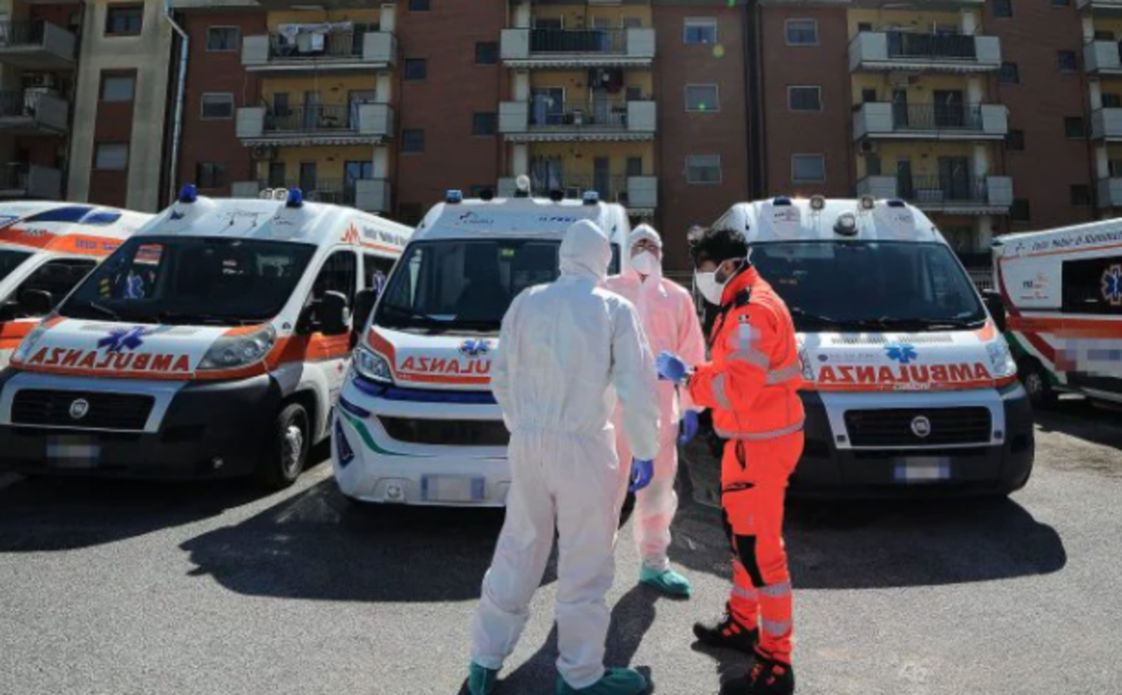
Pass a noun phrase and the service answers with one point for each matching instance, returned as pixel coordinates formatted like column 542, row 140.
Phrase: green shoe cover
column 482, row 681
column 616, row 681
column 668, row 582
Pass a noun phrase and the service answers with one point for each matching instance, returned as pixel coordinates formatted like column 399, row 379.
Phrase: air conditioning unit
column 867, row 147
column 263, row 152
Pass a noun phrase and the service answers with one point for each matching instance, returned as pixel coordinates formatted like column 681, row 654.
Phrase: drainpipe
column 753, row 59
column 177, row 123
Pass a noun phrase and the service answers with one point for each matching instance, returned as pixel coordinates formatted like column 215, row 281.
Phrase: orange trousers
column 754, row 478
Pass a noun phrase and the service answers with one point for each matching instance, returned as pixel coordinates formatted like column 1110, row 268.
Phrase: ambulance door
column 36, row 297
column 339, row 273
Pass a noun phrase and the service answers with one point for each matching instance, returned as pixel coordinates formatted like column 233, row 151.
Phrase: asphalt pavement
column 114, row 588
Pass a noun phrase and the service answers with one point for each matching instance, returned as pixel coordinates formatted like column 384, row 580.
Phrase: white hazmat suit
column 563, row 348
column 670, row 322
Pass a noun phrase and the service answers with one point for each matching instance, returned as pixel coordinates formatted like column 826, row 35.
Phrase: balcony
column 1110, row 192
column 337, row 51
column 1106, row 124
column 368, row 195
column 904, row 50
column 1102, row 58
column 36, row 45
column 541, row 120
column 890, row 121
column 316, row 124
column 639, row 194
column 33, row 112
column 968, row 195
column 577, row 48
column 1103, row 6
column 18, row 180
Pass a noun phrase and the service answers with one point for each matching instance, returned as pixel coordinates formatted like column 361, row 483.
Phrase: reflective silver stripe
column 719, row 391
column 776, row 590
column 780, row 628
column 786, row 374
column 760, row 435
column 750, row 356
column 740, row 591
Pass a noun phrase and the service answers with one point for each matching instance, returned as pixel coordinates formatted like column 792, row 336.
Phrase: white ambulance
column 416, row 422
column 1063, row 293
column 212, row 343
column 909, row 383
column 46, row 248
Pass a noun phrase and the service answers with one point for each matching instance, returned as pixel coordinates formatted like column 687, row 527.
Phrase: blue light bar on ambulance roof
column 781, row 200
column 188, row 194
column 295, row 198
column 591, row 197
column 454, row 197
column 896, row 203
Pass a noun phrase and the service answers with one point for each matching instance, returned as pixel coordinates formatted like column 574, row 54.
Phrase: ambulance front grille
column 898, row 427
column 101, row 411
column 447, row 432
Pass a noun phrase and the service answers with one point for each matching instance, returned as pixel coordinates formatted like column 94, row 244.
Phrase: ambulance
column 1062, row 290
column 46, row 248
column 211, row 344
column 909, row 383
column 416, row 422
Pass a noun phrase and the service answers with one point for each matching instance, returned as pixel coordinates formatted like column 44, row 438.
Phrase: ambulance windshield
column 191, row 281
column 10, row 260
column 870, row 285
column 463, row 285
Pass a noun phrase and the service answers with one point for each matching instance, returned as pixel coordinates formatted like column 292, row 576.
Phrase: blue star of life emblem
column 120, row 339
column 474, row 348
column 1112, row 285
column 902, row 353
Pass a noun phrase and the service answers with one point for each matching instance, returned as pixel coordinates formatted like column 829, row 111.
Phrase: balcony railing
column 334, row 191
column 14, row 177
column 577, row 114
column 578, row 41
column 335, row 44
column 545, row 119
column 1102, row 56
column 610, row 188
column 28, row 180
column 937, row 116
column 28, row 32
column 36, row 44
column 936, row 190
column 912, row 45
column 361, row 48
column 33, row 110
column 890, row 50
column 634, row 46
column 312, row 118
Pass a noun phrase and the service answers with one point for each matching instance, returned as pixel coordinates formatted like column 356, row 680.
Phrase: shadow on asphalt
column 1080, row 418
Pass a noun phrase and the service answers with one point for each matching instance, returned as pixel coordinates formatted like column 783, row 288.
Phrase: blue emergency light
column 591, row 197
column 782, row 200
column 454, row 197
column 188, row 194
column 295, row 198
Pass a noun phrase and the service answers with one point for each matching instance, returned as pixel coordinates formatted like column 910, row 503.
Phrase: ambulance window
column 339, row 274
column 375, row 272
column 10, row 260
column 1093, row 286
column 56, row 278
column 136, row 277
column 613, row 267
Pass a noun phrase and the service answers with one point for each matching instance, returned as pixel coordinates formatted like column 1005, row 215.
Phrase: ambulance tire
column 283, row 462
column 1039, row 389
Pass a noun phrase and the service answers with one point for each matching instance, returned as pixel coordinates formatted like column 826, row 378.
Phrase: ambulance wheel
column 281, row 464
column 1039, row 389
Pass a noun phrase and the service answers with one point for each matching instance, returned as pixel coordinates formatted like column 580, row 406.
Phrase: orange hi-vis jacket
column 752, row 379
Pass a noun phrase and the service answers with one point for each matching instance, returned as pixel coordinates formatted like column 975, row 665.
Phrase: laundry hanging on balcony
column 310, row 38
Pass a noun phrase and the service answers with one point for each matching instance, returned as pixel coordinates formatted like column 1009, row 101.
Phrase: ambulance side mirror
column 332, row 315
column 996, row 307
column 364, row 305
column 36, row 303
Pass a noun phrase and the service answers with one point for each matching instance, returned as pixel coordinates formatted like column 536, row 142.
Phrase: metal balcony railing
column 547, row 113
column 13, row 177
column 937, row 117
column 27, row 32
column 609, row 188
column 312, row 118
column 934, row 190
column 19, row 103
column 336, row 44
column 605, row 41
column 333, row 191
column 913, row 45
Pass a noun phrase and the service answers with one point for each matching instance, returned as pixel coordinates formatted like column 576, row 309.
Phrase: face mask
column 645, row 263
column 709, row 288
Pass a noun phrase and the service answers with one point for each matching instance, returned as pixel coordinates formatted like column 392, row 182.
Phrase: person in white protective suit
column 670, row 322
column 566, row 351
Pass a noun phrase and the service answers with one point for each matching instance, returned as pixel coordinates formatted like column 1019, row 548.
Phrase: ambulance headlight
column 23, row 352
column 805, row 365
column 371, row 365
column 232, row 351
column 1001, row 359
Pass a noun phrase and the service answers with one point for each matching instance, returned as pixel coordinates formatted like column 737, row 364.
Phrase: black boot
column 727, row 633
column 766, row 677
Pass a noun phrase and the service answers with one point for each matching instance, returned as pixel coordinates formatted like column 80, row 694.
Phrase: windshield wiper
column 889, row 322
column 212, row 319
column 803, row 315
column 426, row 319
column 104, row 309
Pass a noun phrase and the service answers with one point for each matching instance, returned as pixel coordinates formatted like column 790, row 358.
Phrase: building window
column 1112, row 101
column 802, row 32
column 486, row 53
column 1074, row 128
column 702, row 97
column 124, row 20
column 1067, row 61
column 804, row 98
column 218, row 107
column 416, row 68
column 703, row 168
column 484, row 123
column 220, row 39
column 413, row 141
column 111, row 156
column 808, row 168
column 1015, row 141
column 210, row 174
column 409, row 213
column 1009, row 74
column 117, row 87
column 1080, row 194
column 1061, row 3
column 1003, row 8
column 1019, row 211
column 418, row 5
column 699, row 30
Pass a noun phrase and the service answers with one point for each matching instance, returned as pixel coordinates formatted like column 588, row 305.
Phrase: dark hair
column 717, row 245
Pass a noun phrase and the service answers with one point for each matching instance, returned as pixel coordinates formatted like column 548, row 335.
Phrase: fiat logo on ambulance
column 79, row 408
column 921, row 427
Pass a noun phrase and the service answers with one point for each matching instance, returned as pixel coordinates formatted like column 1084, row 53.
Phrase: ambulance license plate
column 452, row 488
column 923, row 469
column 70, row 451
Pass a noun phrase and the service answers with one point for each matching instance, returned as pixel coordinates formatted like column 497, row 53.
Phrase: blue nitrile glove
column 641, row 474
column 671, row 367
column 687, row 430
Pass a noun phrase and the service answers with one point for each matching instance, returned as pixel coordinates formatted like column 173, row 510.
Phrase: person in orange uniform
column 751, row 385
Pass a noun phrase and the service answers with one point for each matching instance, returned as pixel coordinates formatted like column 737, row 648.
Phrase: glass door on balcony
column 311, row 110
column 900, row 108
column 949, row 108
column 352, row 172
column 547, row 105
column 601, row 177
column 276, row 175
column 954, row 178
column 308, row 177
column 905, row 184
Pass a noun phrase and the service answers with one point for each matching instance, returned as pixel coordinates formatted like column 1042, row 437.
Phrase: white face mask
column 709, row 288
column 645, row 263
